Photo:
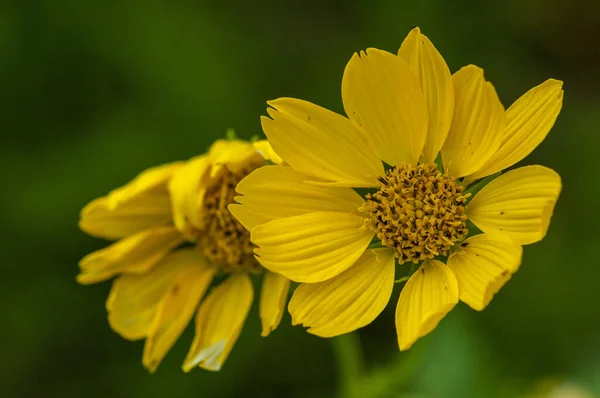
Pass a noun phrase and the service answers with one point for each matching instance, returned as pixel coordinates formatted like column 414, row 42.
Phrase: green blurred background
column 94, row 92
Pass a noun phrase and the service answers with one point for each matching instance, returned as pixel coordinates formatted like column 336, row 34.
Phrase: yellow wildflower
column 161, row 284
column 310, row 224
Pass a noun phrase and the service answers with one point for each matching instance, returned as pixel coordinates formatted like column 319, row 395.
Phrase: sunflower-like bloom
column 175, row 237
column 359, row 195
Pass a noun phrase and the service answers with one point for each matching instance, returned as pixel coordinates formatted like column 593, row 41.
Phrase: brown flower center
column 418, row 211
column 223, row 240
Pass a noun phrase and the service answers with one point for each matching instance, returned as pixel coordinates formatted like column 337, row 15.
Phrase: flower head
column 175, row 236
column 393, row 190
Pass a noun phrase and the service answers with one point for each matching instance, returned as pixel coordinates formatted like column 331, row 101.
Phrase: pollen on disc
column 224, row 241
column 418, row 211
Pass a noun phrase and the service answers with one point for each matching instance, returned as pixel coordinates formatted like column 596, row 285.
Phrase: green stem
column 348, row 353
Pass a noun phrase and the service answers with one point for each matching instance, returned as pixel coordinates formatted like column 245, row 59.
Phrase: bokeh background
column 94, row 92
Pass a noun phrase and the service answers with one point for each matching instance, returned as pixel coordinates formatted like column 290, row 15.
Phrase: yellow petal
column 132, row 303
column 321, row 144
column 312, row 247
column 382, row 95
column 273, row 192
column 135, row 254
column 273, row 297
column 436, row 82
column 482, row 264
column 477, row 123
column 142, row 203
column 187, row 188
column 428, row 296
column 233, row 154
column 151, row 181
column 529, row 120
column 174, row 312
column 133, row 299
column 147, row 211
column 219, row 322
column 263, row 147
column 349, row 301
column 519, row 203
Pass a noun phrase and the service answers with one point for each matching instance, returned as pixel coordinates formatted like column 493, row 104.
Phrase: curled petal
column 134, row 299
column 174, row 313
column 187, row 188
column 219, row 322
column 233, row 154
column 273, row 297
column 142, row 203
column 264, row 149
column 135, row 254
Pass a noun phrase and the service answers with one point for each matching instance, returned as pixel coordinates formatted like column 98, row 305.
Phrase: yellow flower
column 161, row 284
column 310, row 224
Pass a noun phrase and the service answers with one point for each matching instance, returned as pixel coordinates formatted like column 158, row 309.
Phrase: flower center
column 223, row 239
column 418, row 211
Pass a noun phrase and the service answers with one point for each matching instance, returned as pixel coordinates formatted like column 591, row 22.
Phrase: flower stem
column 348, row 353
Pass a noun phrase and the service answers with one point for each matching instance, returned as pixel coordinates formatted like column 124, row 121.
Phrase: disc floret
column 223, row 240
column 418, row 211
